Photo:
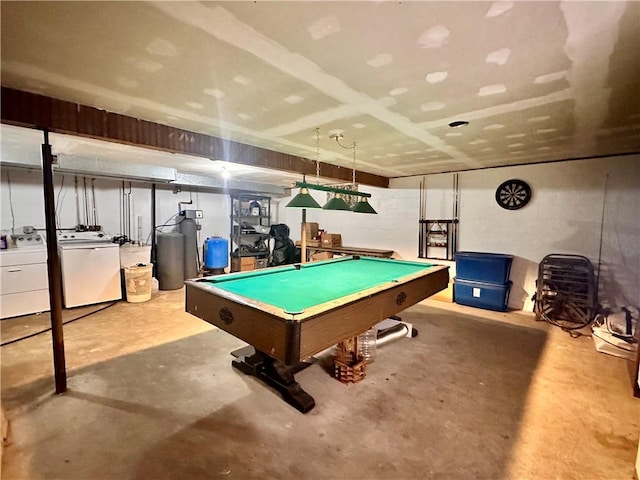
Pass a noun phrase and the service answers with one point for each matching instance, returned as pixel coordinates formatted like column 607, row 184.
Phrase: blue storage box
column 481, row 294
column 483, row 267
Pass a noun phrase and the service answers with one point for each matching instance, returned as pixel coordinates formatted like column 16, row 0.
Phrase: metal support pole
column 154, row 255
column 55, row 272
column 456, row 213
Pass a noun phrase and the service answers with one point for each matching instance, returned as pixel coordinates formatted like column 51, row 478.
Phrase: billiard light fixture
column 337, row 201
column 363, row 206
column 303, row 200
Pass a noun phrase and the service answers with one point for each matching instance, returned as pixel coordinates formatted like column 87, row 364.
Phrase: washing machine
column 90, row 265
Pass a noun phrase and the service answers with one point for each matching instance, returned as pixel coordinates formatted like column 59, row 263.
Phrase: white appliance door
column 90, row 273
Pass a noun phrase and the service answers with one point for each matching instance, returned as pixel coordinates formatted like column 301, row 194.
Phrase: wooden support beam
column 38, row 111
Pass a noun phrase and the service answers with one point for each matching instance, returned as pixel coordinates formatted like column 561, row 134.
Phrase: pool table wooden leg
column 278, row 376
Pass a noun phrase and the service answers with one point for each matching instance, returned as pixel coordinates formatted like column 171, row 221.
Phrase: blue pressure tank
column 216, row 253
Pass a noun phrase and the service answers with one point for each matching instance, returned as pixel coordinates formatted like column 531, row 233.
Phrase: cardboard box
column 243, row 264
column 321, row 256
column 331, row 240
column 312, row 229
column 247, row 261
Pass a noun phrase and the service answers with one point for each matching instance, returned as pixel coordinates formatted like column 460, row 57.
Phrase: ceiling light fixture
column 458, row 124
column 336, row 203
column 363, row 206
column 303, row 200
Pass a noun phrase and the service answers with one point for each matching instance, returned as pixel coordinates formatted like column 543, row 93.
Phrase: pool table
column 291, row 312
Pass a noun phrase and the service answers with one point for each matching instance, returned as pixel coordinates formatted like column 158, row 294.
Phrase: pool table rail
column 264, row 329
column 291, row 338
column 332, row 322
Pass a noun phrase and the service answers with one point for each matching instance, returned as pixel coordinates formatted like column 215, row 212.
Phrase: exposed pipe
column 421, row 222
column 75, row 181
column 128, row 207
column 125, row 211
column 93, row 201
column 121, row 198
column 153, row 229
column 86, row 201
column 392, row 334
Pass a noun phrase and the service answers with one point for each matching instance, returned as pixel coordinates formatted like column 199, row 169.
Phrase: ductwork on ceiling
column 95, row 167
column 104, row 168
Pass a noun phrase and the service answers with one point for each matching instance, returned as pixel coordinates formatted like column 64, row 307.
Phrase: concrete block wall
column 565, row 215
column 364, row 230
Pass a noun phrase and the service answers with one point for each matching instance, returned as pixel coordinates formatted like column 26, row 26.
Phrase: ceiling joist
column 38, row 111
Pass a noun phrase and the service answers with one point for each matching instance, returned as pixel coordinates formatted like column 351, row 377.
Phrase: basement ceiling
column 536, row 81
column 21, row 147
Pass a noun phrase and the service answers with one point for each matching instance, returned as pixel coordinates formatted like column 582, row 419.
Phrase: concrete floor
column 476, row 394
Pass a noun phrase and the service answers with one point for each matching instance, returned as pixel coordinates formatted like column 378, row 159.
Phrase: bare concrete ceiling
column 537, row 81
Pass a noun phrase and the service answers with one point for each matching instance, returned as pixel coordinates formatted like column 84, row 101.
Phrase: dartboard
column 513, row 194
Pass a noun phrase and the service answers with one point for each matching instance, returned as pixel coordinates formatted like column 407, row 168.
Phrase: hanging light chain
column 337, row 137
column 305, row 200
column 354, row 164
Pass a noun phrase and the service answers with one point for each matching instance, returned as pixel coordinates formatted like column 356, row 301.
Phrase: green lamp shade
column 303, row 200
column 336, row 203
column 363, row 206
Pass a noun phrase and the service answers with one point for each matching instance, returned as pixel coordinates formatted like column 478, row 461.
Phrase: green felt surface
column 317, row 282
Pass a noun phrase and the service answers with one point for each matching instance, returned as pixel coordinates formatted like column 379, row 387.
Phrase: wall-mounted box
column 196, row 214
